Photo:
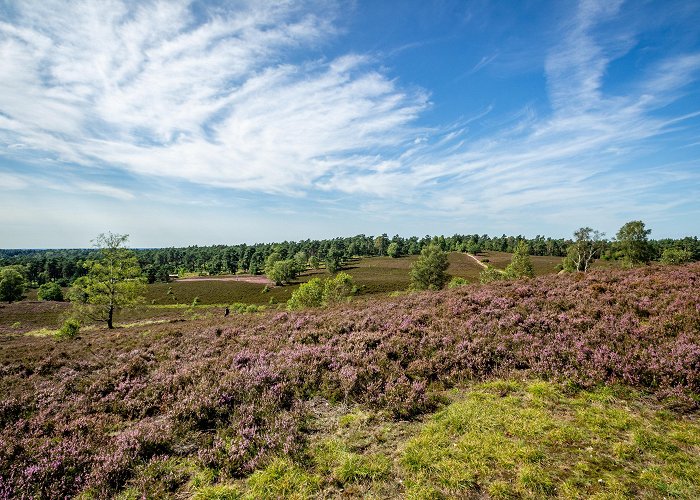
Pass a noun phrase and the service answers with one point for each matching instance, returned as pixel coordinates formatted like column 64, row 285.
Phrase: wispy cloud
column 228, row 98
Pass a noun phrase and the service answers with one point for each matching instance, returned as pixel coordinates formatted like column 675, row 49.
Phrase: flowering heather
column 91, row 414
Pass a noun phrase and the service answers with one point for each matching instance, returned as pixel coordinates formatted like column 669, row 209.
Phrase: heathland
column 562, row 385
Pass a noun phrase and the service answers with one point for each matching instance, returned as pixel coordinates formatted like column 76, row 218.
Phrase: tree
column 12, row 284
column 428, row 272
column 633, row 243
column 50, row 291
column 334, row 260
column 393, row 250
column 113, row 280
column 587, row 246
column 520, row 265
column 282, row 271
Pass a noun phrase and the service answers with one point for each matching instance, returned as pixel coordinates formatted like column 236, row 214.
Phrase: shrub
column 69, row 329
column 50, row 291
column 676, row 256
column 317, row 292
column 457, row 281
column 491, row 274
column 12, row 284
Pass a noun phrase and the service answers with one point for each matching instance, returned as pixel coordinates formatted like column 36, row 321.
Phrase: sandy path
column 258, row 280
column 477, row 260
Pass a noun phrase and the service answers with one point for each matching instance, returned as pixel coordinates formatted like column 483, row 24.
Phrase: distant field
column 375, row 275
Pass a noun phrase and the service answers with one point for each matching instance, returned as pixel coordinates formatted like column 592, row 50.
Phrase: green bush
column 50, row 291
column 317, row 292
column 675, row 256
column 457, row 281
column 69, row 329
column 491, row 274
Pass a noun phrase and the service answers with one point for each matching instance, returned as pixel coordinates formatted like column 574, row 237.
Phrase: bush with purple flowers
column 105, row 412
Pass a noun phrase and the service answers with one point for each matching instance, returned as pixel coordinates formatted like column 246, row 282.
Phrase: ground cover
column 176, row 408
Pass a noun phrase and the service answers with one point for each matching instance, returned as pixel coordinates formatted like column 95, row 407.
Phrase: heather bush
column 102, row 413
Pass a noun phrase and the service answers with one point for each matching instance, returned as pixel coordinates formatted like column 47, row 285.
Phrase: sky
column 205, row 122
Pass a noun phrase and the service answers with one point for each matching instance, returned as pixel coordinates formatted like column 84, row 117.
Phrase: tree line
column 64, row 266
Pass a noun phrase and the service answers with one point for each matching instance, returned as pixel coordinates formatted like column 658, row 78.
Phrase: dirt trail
column 258, row 280
column 477, row 260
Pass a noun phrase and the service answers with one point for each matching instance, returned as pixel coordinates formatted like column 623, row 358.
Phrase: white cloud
column 225, row 99
column 104, row 190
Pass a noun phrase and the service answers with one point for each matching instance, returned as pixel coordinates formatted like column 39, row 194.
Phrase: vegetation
column 633, row 243
column 676, row 256
column 12, row 284
column 429, row 271
column 210, row 406
column 520, row 265
column 65, row 266
column 318, row 293
column 50, row 291
column 113, row 280
column 587, row 246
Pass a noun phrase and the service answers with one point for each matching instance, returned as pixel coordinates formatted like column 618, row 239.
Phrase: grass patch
column 530, row 440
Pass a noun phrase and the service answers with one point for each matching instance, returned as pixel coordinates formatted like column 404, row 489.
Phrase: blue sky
column 226, row 122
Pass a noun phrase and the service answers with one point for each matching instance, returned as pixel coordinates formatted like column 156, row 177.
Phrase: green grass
column 502, row 439
column 530, row 440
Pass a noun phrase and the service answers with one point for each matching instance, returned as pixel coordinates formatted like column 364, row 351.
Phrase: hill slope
column 229, row 395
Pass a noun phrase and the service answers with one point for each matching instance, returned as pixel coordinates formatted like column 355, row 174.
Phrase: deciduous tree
column 12, row 284
column 587, row 246
column 633, row 243
column 113, row 280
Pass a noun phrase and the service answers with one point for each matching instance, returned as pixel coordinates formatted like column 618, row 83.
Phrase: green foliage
column 113, row 280
column 50, row 291
column 457, row 281
column 318, row 293
column 633, row 243
column 69, row 329
column 429, row 271
column 12, row 284
column 491, row 274
column 675, row 256
column 282, row 271
column 520, row 265
column 393, row 250
column 334, row 260
column 314, row 263
column 588, row 245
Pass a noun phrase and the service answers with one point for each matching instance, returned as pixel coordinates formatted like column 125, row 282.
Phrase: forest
column 66, row 265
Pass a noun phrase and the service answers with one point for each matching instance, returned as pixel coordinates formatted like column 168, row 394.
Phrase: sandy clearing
column 258, row 280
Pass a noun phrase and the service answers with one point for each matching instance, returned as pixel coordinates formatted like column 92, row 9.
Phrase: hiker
column 226, row 312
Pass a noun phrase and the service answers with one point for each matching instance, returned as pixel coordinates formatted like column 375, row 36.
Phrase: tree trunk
column 109, row 318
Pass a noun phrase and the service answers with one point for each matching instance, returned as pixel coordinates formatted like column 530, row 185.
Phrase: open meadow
column 558, row 386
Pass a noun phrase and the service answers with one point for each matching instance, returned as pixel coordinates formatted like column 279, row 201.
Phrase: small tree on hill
column 12, row 284
column 587, row 246
column 633, row 243
column 282, row 271
column 429, row 271
column 520, row 265
column 113, row 280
